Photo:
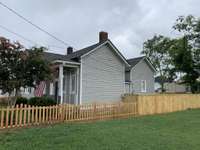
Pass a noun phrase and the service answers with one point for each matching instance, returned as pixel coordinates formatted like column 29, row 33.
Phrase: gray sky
column 77, row 22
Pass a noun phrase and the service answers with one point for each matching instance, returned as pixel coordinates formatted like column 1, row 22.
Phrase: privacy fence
column 163, row 103
column 132, row 105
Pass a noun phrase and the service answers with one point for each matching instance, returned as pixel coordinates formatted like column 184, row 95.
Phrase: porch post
column 61, row 83
column 78, row 85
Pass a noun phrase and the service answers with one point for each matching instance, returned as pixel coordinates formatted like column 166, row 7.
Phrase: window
column 29, row 90
column 73, row 80
column 143, row 86
column 51, row 90
column 26, row 91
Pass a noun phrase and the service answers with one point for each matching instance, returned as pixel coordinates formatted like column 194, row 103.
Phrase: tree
column 186, row 50
column 36, row 69
column 20, row 67
column 157, row 50
column 9, row 60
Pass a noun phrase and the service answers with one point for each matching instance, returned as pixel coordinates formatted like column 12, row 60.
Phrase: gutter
column 66, row 62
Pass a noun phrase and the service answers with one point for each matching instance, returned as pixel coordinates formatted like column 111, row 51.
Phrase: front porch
column 65, row 87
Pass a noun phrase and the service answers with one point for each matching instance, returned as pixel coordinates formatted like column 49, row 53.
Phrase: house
column 176, row 87
column 96, row 73
column 173, row 87
column 93, row 74
column 139, row 77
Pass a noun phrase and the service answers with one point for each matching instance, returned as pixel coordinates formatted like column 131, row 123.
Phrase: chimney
column 69, row 50
column 103, row 36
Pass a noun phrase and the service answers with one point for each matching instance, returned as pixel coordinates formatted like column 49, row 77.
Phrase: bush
column 3, row 101
column 21, row 100
column 42, row 101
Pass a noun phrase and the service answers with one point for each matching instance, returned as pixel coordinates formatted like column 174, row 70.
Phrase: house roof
column 52, row 57
column 70, row 57
column 75, row 56
column 79, row 53
column 134, row 61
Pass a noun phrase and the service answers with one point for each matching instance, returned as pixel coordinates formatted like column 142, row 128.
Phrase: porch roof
column 73, row 58
column 56, row 57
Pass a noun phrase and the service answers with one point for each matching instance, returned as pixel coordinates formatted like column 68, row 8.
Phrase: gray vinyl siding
column 102, row 76
column 127, row 76
column 142, row 71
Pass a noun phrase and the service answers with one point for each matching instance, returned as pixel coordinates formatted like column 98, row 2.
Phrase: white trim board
column 80, row 92
column 145, row 86
column 149, row 62
column 66, row 62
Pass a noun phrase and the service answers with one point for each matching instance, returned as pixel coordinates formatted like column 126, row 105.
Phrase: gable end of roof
column 134, row 61
column 113, row 47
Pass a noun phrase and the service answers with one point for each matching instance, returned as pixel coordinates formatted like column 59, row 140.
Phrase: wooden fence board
column 20, row 115
column 24, row 116
column 2, row 118
column 141, row 105
column 7, row 117
column 29, row 115
column 11, row 116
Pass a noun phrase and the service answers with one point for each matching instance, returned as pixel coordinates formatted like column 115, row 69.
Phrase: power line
column 36, row 26
column 19, row 35
column 26, row 39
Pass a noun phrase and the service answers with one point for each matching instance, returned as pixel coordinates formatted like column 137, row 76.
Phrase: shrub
column 21, row 100
column 42, row 101
column 3, row 101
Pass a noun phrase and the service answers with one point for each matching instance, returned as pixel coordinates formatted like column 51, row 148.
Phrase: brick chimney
column 69, row 50
column 103, row 36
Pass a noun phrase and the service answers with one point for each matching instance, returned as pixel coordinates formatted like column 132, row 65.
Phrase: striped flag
column 39, row 90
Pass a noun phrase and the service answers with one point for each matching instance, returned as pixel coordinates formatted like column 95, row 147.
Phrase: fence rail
column 132, row 105
column 23, row 115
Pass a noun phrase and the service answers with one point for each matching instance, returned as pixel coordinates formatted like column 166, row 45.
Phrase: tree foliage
column 10, row 61
column 186, row 50
column 20, row 67
column 157, row 50
column 179, row 55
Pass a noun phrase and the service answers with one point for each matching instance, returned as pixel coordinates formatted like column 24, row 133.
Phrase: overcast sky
column 77, row 22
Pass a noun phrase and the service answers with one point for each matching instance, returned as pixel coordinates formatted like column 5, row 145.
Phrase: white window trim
column 45, row 89
column 145, row 86
column 26, row 90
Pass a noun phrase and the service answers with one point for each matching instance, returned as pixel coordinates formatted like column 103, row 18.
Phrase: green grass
column 175, row 131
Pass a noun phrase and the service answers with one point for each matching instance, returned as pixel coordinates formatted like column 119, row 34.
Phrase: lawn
column 175, row 131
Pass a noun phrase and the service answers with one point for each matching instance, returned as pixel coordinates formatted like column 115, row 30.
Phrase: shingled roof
column 79, row 53
column 52, row 57
column 134, row 61
column 74, row 57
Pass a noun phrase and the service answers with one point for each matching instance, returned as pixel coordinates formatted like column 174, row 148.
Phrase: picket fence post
column 94, row 110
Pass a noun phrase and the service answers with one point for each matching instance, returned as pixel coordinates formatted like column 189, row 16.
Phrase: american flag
column 39, row 90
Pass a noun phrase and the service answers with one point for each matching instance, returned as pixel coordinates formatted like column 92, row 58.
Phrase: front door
column 70, row 86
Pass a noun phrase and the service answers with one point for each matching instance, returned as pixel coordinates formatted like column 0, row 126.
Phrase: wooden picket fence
column 23, row 115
